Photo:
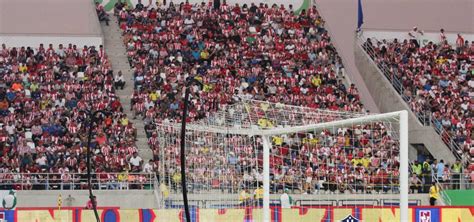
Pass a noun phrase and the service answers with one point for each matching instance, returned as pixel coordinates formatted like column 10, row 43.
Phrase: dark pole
column 182, row 156
column 183, row 146
column 92, row 120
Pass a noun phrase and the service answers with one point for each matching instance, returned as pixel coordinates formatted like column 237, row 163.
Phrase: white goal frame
column 403, row 140
column 267, row 133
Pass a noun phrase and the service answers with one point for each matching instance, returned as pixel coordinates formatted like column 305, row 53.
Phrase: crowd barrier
column 298, row 214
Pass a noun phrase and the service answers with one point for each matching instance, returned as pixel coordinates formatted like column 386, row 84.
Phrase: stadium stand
column 231, row 64
column 437, row 82
column 43, row 96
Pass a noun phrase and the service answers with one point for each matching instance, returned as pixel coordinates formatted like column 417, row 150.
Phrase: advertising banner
column 300, row 214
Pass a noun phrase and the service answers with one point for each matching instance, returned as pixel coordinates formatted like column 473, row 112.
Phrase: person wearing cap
column 414, row 36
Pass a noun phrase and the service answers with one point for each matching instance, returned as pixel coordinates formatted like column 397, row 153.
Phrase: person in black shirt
column 139, row 6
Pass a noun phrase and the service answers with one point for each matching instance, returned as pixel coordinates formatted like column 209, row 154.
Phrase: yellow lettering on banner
column 167, row 215
column 44, row 215
column 341, row 213
column 231, row 215
column 88, row 215
column 311, row 215
column 457, row 214
column 383, row 214
column 129, row 215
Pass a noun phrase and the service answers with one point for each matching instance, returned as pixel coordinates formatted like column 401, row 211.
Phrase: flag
column 360, row 15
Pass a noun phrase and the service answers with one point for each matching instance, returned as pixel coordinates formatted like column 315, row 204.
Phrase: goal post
column 258, row 151
column 403, row 138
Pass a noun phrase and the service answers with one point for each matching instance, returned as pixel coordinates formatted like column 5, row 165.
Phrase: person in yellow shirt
column 153, row 96
column 207, row 87
column 44, row 103
column 176, row 179
column 365, row 162
column 165, row 192
column 23, row 68
column 258, row 194
column 124, row 120
column 355, row 162
column 264, row 123
column 204, row 55
column 316, row 81
column 278, row 141
column 244, row 198
column 123, row 179
column 434, row 193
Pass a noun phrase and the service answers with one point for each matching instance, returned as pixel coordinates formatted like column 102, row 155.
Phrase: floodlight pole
column 92, row 120
column 189, row 83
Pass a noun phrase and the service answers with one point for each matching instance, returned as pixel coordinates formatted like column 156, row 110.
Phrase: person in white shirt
column 135, row 160
column 189, row 22
column 285, row 200
column 119, row 81
column 41, row 161
column 148, row 167
column 415, row 35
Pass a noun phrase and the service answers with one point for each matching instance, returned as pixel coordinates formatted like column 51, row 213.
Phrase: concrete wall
column 387, row 99
column 35, row 40
column 130, row 199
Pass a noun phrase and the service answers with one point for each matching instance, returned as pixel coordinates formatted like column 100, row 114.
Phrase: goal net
column 260, row 161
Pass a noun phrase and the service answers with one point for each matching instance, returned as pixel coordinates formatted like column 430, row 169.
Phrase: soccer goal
column 266, row 161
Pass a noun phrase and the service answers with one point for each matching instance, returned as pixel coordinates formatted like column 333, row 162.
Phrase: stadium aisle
column 116, row 52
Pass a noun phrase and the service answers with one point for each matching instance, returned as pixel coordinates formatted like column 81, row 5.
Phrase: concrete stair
column 116, row 52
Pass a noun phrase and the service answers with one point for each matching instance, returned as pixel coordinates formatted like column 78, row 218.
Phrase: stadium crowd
column 252, row 52
column 44, row 95
column 273, row 55
column 437, row 79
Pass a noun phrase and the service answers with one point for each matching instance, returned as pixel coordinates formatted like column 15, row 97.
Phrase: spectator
column 148, row 167
column 101, row 13
column 258, row 196
column 119, row 80
column 135, row 161
column 440, row 170
column 415, row 36
column 244, row 198
column 285, row 200
column 415, row 183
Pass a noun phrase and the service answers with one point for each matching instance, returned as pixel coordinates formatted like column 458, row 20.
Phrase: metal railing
column 234, row 203
column 77, row 181
column 459, row 181
column 425, row 117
